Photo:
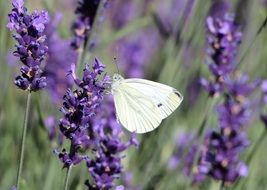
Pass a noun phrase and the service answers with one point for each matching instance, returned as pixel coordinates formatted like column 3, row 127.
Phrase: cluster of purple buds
column 86, row 12
column 90, row 124
column 220, row 157
column 79, row 107
column 30, row 47
column 106, row 166
column 223, row 39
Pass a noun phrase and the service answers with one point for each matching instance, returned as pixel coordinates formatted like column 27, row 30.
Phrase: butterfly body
column 141, row 104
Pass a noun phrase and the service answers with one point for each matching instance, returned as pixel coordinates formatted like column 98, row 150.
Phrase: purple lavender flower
column 90, row 124
column 57, row 66
column 223, row 152
column 219, row 157
column 86, row 13
column 69, row 158
column 235, row 111
column 30, row 47
column 79, row 106
column 223, row 39
column 213, row 87
column 240, row 88
column 223, row 147
column 106, row 166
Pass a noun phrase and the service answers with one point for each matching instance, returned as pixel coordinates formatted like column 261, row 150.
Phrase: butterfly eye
column 115, row 77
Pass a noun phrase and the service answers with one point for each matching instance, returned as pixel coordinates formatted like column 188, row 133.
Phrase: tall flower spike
column 30, row 47
column 223, row 38
column 105, row 167
column 224, row 146
column 90, row 124
column 86, row 13
column 79, row 107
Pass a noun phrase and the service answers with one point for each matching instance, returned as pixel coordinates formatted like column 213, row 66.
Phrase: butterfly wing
column 135, row 111
column 166, row 98
column 141, row 104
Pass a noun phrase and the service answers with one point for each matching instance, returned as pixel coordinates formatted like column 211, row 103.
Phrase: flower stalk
column 66, row 183
column 88, row 14
column 23, row 139
column 258, row 143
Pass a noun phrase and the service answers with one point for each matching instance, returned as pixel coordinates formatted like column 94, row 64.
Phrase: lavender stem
column 222, row 187
column 207, row 111
column 256, row 146
column 66, row 183
column 23, row 139
column 264, row 23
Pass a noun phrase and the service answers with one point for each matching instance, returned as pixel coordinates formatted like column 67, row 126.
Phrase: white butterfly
column 141, row 104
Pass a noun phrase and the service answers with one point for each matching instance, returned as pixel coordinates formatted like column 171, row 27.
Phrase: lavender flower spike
column 86, row 13
column 224, row 146
column 105, row 167
column 79, row 107
column 223, row 39
column 30, row 47
column 90, row 123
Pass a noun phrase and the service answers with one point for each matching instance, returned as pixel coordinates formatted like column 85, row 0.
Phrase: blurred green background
column 175, row 64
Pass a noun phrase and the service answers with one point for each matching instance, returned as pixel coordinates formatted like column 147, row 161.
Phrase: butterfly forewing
column 166, row 98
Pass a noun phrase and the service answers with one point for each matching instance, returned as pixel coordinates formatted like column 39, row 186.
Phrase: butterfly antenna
column 115, row 61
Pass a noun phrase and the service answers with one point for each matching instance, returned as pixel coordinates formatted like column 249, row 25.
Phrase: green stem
column 66, row 183
column 264, row 23
column 222, row 187
column 256, row 146
column 23, row 139
column 207, row 111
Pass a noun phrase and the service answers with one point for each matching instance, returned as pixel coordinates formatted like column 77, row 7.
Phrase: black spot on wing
column 159, row 105
column 178, row 94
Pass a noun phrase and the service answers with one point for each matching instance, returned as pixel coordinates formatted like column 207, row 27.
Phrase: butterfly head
column 117, row 77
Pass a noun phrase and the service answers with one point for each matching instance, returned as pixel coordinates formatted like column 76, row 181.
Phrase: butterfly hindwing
column 135, row 111
column 166, row 98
